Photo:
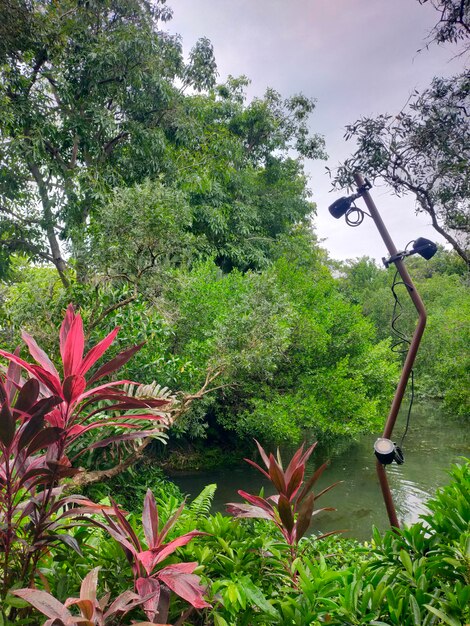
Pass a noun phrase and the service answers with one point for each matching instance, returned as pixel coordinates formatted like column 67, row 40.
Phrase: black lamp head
column 340, row 207
column 425, row 247
column 387, row 451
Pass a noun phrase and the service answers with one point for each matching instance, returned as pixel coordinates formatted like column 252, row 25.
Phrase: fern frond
column 201, row 505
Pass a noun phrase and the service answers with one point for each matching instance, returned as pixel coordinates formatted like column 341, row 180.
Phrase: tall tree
column 87, row 92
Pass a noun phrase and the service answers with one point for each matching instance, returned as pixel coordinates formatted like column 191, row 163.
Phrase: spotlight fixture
column 344, row 204
column 425, row 247
column 340, row 207
column 422, row 246
column 387, row 451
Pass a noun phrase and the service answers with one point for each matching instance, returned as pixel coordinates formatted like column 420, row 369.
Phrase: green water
column 433, row 442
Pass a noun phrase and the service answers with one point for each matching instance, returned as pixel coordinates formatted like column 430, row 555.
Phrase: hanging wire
column 402, row 343
column 355, row 216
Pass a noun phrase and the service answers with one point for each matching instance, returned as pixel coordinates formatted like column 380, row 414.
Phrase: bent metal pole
column 413, row 349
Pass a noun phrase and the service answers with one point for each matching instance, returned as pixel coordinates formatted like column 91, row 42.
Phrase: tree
column 236, row 164
column 87, row 92
column 424, row 150
column 454, row 23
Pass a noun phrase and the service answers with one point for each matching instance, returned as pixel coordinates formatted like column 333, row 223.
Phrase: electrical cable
column 402, row 343
column 355, row 216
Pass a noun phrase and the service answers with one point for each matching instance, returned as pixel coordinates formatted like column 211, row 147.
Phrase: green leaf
column 443, row 616
column 406, row 560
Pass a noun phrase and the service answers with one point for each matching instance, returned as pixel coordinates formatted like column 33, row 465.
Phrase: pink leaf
column 256, row 500
column 73, row 387
column 276, row 474
column 148, row 558
column 39, row 355
column 294, row 463
column 13, row 377
column 89, row 585
column 187, row 586
column 262, row 453
column 44, row 602
column 97, row 351
column 176, row 543
column 73, row 348
column 123, row 603
column 51, row 382
column 248, row 510
column 65, row 328
column 116, row 363
column 150, row 519
column 146, row 587
column 260, row 469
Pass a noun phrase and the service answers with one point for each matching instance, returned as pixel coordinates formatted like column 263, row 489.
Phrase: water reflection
column 432, row 444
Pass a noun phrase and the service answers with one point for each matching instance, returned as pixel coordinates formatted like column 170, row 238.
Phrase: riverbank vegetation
column 165, row 561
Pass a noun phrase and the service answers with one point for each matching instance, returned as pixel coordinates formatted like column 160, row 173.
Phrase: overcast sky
column 356, row 57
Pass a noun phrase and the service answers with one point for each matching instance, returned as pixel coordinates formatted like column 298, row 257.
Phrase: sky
column 356, row 57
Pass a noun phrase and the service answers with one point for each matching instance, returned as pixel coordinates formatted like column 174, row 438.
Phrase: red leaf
column 13, row 377
column 145, row 587
column 39, row 355
column 176, row 543
column 311, row 482
column 73, row 348
column 276, row 475
column 170, row 523
column 124, row 524
column 150, row 519
column 44, row 439
column 256, row 500
column 260, row 469
column 116, row 363
column 308, row 452
column 73, row 387
column 27, row 396
column 187, row 586
column 285, row 512
column 44, row 602
column 248, row 510
column 148, row 558
column 294, row 463
column 94, row 391
column 51, row 382
column 304, row 517
column 7, row 425
column 123, row 603
column 295, row 481
column 65, row 328
column 97, row 351
column 263, row 454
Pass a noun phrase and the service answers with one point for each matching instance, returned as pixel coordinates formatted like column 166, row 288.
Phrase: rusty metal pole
column 413, row 349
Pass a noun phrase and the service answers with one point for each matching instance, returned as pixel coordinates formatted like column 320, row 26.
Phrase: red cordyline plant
column 40, row 419
column 292, row 509
column 93, row 612
column 154, row 582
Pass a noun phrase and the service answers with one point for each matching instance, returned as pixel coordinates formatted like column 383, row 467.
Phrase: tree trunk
column 58, row 260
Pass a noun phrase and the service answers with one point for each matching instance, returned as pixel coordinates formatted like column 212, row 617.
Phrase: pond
column 433, row 442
